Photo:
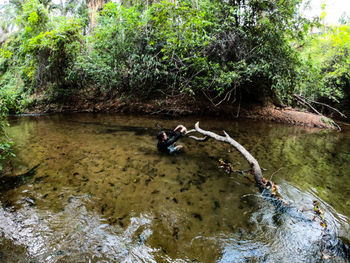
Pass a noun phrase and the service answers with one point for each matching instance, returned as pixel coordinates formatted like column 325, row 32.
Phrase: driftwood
column 227, row 139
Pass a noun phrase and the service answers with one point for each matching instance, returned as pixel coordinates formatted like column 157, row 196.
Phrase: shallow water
column 102, row 193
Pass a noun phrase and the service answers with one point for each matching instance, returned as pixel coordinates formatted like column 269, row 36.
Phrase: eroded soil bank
column 184, row 106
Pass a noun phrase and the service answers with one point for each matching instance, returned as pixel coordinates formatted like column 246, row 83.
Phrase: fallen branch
column 304, row 102
column 330, row 107
column 267, row 187
column 227, row 139
column 269, row 191
column 205, row 138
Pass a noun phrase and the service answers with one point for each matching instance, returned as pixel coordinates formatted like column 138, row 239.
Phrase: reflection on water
column 103, row 193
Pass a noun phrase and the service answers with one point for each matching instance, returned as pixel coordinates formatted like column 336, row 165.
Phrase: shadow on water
column 103, row 193
column 13, row 181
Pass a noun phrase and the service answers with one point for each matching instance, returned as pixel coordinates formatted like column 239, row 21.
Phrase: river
column 101, row 192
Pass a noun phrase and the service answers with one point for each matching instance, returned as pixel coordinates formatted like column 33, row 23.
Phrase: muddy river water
column 101, row 192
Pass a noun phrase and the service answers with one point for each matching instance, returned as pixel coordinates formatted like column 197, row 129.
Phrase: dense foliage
column 207, row 46
column 7, row 101
column 167, row 47
column 326, row 66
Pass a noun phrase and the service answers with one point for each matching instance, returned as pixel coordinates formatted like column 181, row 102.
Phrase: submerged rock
column 59, row 252
column 198, row 216
column 30, row 201
column 216, row 204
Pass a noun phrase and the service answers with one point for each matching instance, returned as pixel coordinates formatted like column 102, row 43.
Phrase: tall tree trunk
column 94, row 7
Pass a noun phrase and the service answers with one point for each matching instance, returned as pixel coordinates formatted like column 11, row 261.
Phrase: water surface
column 102, row 193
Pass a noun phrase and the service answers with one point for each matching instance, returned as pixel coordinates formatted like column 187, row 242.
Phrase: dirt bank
column 290, row 116
column 184, row 105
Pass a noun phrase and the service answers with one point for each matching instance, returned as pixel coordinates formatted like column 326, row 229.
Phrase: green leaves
column 210, row 46
column 51, row 53
column 171, row 47
column 326, row 67
column 5, row 148
column 33, row 19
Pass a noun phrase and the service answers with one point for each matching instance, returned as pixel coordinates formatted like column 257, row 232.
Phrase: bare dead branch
column 203, row 139
column 227, row 139
column 328, row 106
column 336, row 124
column 301, row 99
column 190, row 131
column 305, row 102
column 227, row 97
column 205, row 94
column 275, row 173
column 324, row 104
column 239, row 105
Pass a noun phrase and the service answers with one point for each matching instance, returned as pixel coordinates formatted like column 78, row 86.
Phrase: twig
column 227, row 97
column 275, row 173
column 319, row 103
column 205, row 138
column 239, row 105
column 336, row 124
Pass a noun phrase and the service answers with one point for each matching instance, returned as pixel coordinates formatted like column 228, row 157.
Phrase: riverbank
column 183, row 106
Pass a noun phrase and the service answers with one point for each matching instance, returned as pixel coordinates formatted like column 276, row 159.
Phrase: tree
column 325, row 71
